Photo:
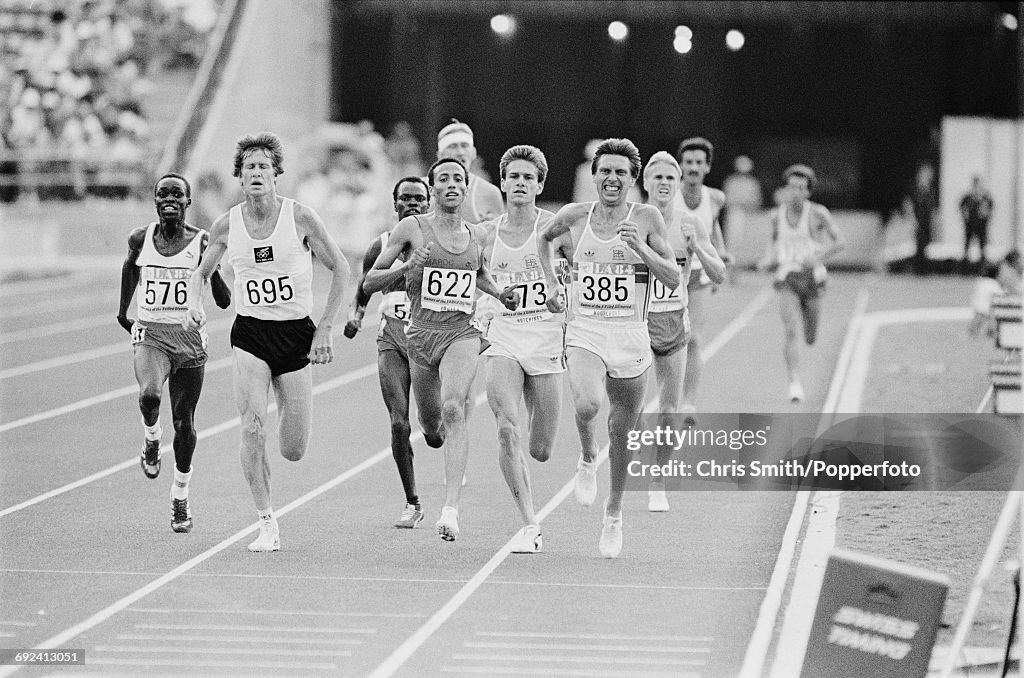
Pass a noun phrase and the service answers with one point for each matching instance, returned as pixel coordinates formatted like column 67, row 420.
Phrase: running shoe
column 796, row 392
column 611, row 535
column 585, row 486
column 150, row 460
column 411, row 516
column 269, row 539
column 528, row 540
column 657, row 500
column 181, row 515
column 448, row 524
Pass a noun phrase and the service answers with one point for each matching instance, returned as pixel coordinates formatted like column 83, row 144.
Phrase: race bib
column 605, row 290
column 268, row 291
column 448, row 289
column 395, row 305
column 664, row 299
column 163, row 290
column 533, row 297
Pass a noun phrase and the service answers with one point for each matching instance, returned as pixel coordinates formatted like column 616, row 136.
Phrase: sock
column 179, row 488
column 266, row 514
column 415, row 501
column 154, row 432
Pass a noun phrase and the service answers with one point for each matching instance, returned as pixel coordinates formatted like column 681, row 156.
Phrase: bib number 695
column 269, row 290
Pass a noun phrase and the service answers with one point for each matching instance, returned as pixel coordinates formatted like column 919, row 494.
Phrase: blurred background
column 101, row 97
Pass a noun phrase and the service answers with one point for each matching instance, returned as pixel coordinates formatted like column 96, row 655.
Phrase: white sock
column 266, row 514
column 179, row 488
column 154, row 432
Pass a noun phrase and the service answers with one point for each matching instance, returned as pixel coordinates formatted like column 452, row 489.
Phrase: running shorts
column 803, row 282
column 427, row 346
column 391, row 335
column 538, row 347
column 625, row 349
column 282, row 344
column 669, row 330
column 185, row 349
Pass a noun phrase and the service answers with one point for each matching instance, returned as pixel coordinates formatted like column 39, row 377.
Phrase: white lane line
column 593, row 636
column 64, row 637
column 820, row 533
column 404, row 651
column 255, row 628
column 602, row 647
column 760, row 640
column 245, row 639
column 552, row 672
column 45, row 286
column 342, row 380
column 212, row 663
column 56, row 328
column 90, row 354
column 17, row 623
column 588, row 659
column 269, row 613
column 271, row 651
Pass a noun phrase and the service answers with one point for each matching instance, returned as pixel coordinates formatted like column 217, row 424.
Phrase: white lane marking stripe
column 593, row 636
column 45, row 286
column 272, row 651
column 62, row 638
column 551, row 672
column 249, row 627
column 397, row 658
column 90, row 354
column 588, row 659
column 211, row 663
column 49, row 306
column 56, row 328
column 342, row 380
column 654, row 649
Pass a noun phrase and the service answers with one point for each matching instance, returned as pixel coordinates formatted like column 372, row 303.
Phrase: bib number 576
column 269, row 290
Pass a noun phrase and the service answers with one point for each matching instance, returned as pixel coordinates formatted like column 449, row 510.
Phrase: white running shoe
column 411, row 516
column 269, row 539
column 657, row 500
column 448, row 524
column 528, row 540
column 796, row 392
column 611, row 535
column 585, row 487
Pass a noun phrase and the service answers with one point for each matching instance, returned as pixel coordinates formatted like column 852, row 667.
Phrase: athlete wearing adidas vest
column 269, row 241
column 411, row 196
column 695, row 156
column 614, row 247
column 161, row 257
column 668, row 320
column 526, row 356
column 443, row 267
column 804, row 237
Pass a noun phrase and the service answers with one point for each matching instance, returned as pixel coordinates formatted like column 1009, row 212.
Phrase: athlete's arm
column 362, row 298
column 196, row 316
column 402, row 237
column 717, row 239
column 311, row 227
column 508, row 297
column 220, row 289
column 827, row 226
column 130, row 277
column 646, row 237
column 700, row 244
column 769, row 261
column 556, row 234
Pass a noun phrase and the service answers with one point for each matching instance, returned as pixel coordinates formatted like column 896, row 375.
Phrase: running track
column 87, row 559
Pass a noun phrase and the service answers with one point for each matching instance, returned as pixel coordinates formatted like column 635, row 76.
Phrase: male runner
column 270, row 241
column 614, row 247
column 161, row 257
column 804, row 237
column 443, row 268
column 526, row 356
column 483, row 199
column 668, row 320
column 411, row 196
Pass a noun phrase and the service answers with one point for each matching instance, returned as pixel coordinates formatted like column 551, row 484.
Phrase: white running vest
column 274, row 276
column 663, row 299
column 520, row 266
column 163, row 281
column 706, row 213
column 610, row 282
column 794, row 244
column 394, row 303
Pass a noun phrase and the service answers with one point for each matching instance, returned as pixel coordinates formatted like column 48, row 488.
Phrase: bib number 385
column 268, row 291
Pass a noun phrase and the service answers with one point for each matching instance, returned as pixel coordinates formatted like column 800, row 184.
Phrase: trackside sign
column 875, row 618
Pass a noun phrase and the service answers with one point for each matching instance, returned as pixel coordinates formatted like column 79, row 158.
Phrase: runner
column 161, row 257
column 614, row 246
column 483, row 199
column 526, row 356
column 411, row 196
column 668, row 321
column 443, row 266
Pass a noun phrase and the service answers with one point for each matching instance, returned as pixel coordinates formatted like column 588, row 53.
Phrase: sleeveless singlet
column 443, row 291
column 794, row 243
column 394, row 301
column 664, row 300
column 520, row 266
column 704, row 210
column 163, row 281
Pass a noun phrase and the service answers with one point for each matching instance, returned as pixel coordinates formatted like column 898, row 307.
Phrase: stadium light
column 734, row 40
column 681, row 44
column 503, row 24
column 684, row 32
column 1009, row 22
column 618, row 30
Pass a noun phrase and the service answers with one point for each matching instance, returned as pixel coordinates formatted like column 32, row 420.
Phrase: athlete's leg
column 694, row 369
column 789, row 310
column 394, row 387
column 152, row 367
column 543, row 394
column 252, row 391
column 456, row 371
column 626, row 400
column 184, row 387
column 587, row 383
column 504, row 390
column 668, row 374
column 426, row 388
column 810, row 311
column 294, row 394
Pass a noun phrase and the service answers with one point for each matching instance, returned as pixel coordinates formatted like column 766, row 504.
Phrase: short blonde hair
column 665, row 157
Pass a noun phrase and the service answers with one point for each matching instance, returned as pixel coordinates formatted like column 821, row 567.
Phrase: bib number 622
column 269, row 290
